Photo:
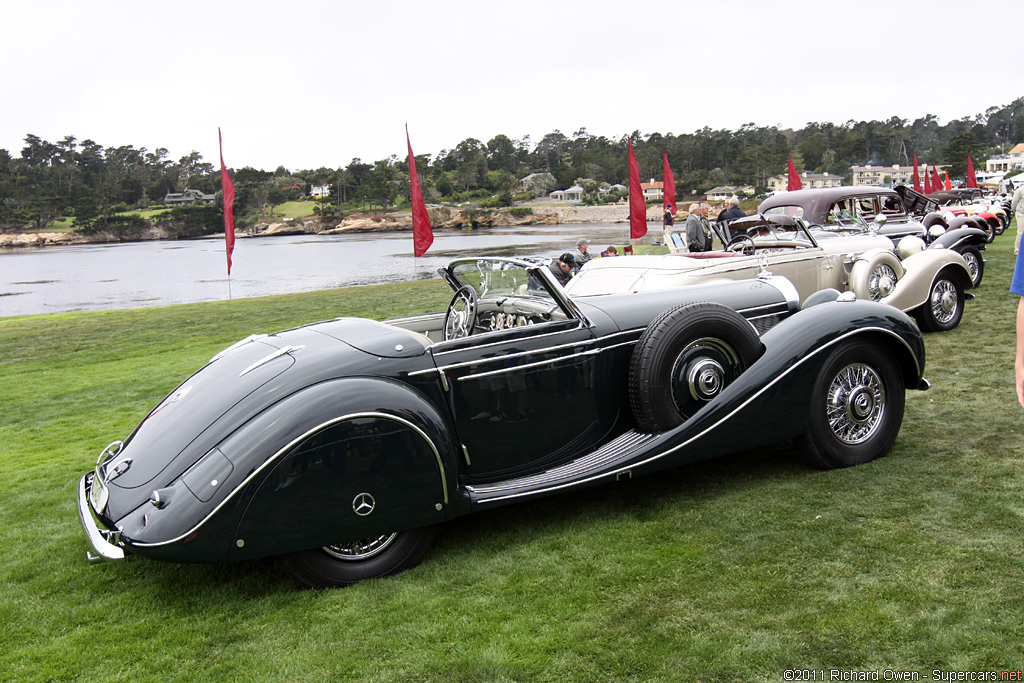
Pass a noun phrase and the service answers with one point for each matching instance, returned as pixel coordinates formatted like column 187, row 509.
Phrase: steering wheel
column 458, row 321
column 743, row 244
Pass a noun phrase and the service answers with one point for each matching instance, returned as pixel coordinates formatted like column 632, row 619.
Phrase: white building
column 1010, row 161
column 573, row 194
column 780, row 183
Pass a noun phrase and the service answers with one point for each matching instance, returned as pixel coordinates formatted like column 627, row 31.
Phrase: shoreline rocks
column 440, row 218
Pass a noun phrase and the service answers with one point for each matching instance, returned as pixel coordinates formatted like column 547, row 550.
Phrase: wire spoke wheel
column 856, row 403
column 362, row 549
column 881, row 282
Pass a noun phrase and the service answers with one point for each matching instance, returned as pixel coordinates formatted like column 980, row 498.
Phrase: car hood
column 244, row 380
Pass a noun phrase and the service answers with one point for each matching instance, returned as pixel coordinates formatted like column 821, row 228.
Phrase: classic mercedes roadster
column 338, row 447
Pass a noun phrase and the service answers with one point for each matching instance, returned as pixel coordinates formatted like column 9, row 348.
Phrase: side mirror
column 881, row 219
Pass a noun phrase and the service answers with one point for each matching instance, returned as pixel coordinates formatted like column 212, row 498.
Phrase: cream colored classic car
column 929, row 282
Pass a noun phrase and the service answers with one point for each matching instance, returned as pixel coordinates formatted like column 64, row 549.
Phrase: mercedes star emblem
column 363, row 504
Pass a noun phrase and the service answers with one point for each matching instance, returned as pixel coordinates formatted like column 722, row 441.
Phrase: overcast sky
column 311, row 84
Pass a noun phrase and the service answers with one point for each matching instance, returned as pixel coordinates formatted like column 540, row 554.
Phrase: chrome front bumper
column 103, row 541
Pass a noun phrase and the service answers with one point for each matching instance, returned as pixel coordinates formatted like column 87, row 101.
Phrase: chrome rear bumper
column 106, row 551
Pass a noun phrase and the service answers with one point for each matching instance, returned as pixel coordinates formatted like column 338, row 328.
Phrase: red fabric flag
column 972, row 181
column 949, row 185
column 917, row 179
column 228, row 190
column 422, row 234
column 794, row 177
column 936, row 179
column 637, row 205
column 670, row 184
column 927, row 180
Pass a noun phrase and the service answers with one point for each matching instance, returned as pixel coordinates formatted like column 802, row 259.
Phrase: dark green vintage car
column 338, row 447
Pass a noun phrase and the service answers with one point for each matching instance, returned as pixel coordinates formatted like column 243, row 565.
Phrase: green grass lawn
column 737, row 569
column 294, row 209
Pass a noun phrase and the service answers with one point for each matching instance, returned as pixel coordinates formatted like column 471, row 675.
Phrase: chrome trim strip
column 517, row 354
column 294, row 442
column 693, row 438
column 108, row 552
column 250, row 338
column 276, row 354
column 539, row 363
column 442, row 352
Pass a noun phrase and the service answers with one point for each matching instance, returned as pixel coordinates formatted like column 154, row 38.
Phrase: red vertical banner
column 794, row 177
column 637, row 205
column 927, row 181
column 936, row 179
column 972, row 181
column 670, row 184
column 917, row 179
column 949, row 185
column 228, row 190
column 422, row 234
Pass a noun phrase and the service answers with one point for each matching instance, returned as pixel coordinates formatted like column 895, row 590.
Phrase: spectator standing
column 1017, row 211
column 731, row 213
column 1017, row 287
column 668, row 220
column 697, row 238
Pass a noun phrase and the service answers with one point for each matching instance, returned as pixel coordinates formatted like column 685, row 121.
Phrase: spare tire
column 684, row 359
column 874, row 275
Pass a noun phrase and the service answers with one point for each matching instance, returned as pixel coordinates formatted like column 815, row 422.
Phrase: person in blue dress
column 1017, row 287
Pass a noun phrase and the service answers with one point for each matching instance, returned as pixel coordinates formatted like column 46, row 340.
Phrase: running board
column 606, row 459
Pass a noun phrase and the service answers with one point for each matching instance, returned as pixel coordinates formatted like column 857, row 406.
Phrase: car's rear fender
column 920, row 271
column 958, row 238
column 314, row 454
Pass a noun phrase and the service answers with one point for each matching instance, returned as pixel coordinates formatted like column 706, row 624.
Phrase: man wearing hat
column 581, row 254
column 562, row 267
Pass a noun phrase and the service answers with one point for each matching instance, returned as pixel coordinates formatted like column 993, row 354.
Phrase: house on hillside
column 188, row 198
column 320, row 190
column 652, row 190
column 721, row 194
column 573, row 194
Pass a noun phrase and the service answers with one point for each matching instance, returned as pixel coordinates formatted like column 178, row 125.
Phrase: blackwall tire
column 684, row 359
column 856, row 407
column 975, row 265
column 348, row 563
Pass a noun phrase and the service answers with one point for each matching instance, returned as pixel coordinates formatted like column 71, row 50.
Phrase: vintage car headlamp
column 909, row 246
column 936, row 231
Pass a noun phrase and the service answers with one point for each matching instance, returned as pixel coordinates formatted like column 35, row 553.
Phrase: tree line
column 97, row 187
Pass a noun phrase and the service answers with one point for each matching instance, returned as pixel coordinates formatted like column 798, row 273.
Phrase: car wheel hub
column 362, row 549
column 944, row 301
column 855, row 404
column 701, row 372
column 883, row 281
column 706, row 378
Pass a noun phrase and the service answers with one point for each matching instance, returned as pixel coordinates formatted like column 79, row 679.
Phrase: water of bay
column 138, row 274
